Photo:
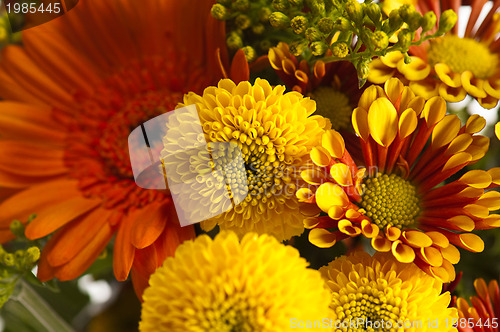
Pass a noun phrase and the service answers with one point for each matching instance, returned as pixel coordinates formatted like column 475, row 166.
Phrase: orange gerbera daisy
column 451, row 66
column 483, row 314
column 72, row 94
column 396, row 201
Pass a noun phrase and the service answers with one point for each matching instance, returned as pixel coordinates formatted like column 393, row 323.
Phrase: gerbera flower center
column 390, row 200
column 463, row 54
column 333, row 105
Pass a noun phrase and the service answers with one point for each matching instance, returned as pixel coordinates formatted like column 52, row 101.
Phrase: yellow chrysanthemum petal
column 447, row 75
column 416, row 70
column 434, row 111
column 341, row 174
column 407, row 123
column 445, row 131
column 360, row 123
column 497, row 130
column 329, row 194
column 322, row 238
column 257, row 284
column 273, row 133
column 334, row 143
column 371, row 290
column 472, row 85
column 382, row 120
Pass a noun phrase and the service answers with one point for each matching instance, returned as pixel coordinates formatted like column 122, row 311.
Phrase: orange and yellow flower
column 71, row 95
column 410, row 147
column 451, row 66
column 334, row 85
column 483, row 313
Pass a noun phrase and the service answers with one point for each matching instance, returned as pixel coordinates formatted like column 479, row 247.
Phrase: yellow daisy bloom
column 274, row 130
column 409, row 148
column 483, row 313
column 226, row 285
column 451, row 66
column 381, row 294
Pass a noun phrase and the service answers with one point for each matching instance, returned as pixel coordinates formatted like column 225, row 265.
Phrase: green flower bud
column 395, row 20
column 414, row 21
column 407, row 59
column 243, row 21
column 318, row 48
column 363, row 70
column 354, row 10
column 405, row 11
column 405, row 37
column 297, row 3
column 17, row 228
column 342, row 24
column 317, row 7
column 297, row 48
column 33, row 254
column 8, row 259
column 279, row 20
column 428, row 21
column 380, row 39
column 264, row 14
column 447, row 21
column 312, row 34
column 280, row 5
column 265, row 45
column 219, row 12
column 234, row 41
column 299, row 24
column 374, row 13
column 250, row 53
column 241, row 5
column 258, row 29
column 326, row 25
column 340, row 50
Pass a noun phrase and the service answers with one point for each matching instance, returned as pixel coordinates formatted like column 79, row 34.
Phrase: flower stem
column 40, row 309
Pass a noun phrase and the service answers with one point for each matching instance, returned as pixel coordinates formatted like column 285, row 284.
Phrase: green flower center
column 463, row 54
column 334, row 105
column 390, row 200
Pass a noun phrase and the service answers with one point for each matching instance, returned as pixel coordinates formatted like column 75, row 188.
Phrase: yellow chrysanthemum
column 451, row 66
column 223, row 285
column 410, row 146
column 274, row 131
column 381, row 294
column 483, row 313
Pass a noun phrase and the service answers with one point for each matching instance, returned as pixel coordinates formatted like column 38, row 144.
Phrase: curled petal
column 402, row 252
column 322, row 238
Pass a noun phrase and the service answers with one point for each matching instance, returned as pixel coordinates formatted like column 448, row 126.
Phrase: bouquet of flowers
column 249, row 165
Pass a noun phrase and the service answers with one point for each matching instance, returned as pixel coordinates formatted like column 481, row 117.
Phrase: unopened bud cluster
column 335, row 29
column 249, row 24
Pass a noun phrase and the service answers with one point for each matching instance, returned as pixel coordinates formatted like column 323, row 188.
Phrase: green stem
column 37, row 306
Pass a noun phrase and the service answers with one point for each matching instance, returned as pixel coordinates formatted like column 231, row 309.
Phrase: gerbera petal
column 83, row 229
column 47, row 221
column 84, row 258
column 124, row 251
column 27, row 123
column 31, row 159
column 149, row 224
column 23, row 204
